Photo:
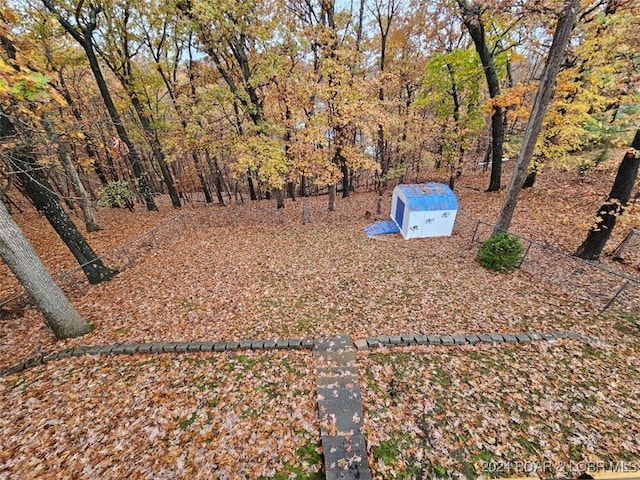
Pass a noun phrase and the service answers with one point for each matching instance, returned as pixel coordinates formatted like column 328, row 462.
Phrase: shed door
column 399, row 212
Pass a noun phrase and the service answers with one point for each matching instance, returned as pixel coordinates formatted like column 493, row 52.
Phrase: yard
column 249, row 272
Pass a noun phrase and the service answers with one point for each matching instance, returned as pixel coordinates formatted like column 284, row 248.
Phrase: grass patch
column 397, row 454
column 627, row 329
column 189, row 421
column 306, row 455
column 437, row 471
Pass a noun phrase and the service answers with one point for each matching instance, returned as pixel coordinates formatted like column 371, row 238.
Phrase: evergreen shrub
column 501, row 252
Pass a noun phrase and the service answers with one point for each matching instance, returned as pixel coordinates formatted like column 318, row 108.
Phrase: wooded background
column 253, row 99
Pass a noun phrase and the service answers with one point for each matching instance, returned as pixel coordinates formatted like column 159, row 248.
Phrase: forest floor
column 250, row 272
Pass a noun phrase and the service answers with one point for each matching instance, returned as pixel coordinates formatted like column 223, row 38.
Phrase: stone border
column 294, row 344
column 162, row 347
column 470, row 339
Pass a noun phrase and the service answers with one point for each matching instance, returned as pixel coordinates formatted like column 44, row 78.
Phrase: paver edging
column 366, row 344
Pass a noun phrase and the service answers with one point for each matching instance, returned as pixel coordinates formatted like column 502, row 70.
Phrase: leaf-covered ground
column 247, row 271
column 537, row 409
column 164, row 417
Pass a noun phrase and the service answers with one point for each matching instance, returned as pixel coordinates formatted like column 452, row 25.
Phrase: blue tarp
column 381, row 228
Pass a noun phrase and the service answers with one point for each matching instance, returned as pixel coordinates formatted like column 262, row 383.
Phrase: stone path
column 338, row 391
column 340, row 409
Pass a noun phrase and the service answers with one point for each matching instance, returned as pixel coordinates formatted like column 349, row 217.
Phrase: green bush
column 116, row 194
column 501, row 252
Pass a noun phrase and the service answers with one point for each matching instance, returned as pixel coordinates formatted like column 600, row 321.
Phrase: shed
column 424, row 210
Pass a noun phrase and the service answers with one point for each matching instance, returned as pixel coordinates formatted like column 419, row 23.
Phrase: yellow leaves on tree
column 264, row 155
column 588, row 94
column 21, row 79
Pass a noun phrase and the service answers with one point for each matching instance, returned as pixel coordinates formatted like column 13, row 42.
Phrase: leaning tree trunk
column 35, row 184
column 15, row 250
column 561, row 38
column 615, row 204
column 39, row 191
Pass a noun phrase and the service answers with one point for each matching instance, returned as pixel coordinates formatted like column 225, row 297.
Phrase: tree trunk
column 252, row 188
column 291, row 190
column 88, row 211
column 543, row 97
column 37, row 188
column 203, row 183
column 15, row 250
column 382, row 154
column 279, row 196
column 346, row 184
column 332, row 197
column 615, row 204
column 154, row 142
column 497, row 141
column 472, row 18
column 217, row 176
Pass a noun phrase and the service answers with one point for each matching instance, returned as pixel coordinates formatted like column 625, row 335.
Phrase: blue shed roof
column 429, row 196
